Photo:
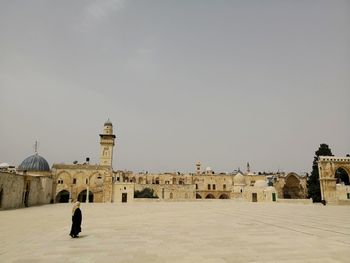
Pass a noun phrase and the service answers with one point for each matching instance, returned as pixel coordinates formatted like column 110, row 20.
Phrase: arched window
column 342, row 176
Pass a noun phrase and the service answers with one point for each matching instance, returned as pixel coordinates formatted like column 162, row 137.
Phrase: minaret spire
column 36, row 147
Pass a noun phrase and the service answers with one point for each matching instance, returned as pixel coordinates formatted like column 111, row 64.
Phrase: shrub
column 145, row 193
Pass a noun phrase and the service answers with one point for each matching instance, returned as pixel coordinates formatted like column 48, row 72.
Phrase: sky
column 220, row 82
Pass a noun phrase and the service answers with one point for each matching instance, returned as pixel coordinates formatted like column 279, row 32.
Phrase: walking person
column 76, row 220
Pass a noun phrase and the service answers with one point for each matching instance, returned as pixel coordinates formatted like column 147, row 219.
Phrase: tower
column 248, row 167
column 198, row 168
column 107, row 142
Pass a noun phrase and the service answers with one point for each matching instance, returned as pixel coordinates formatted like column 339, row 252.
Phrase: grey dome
column 34, row 163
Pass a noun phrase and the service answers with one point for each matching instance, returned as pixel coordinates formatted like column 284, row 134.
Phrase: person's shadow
column 81, row 236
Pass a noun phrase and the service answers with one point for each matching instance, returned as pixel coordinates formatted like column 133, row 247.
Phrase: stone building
column 290, row 186
column 203, row 185
column 35, row 183
column 334, row 175
column 30, row 184
column 87, row 182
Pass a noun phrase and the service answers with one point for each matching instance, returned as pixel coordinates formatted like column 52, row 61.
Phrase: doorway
column 254, row 197
column 62, row 197
column 124, row 197
column 273, row 197
column 26, row 195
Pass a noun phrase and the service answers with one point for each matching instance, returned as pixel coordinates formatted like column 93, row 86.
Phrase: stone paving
column 198, row 231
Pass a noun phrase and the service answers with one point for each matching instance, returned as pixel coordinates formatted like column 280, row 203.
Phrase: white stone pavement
column 203, row 231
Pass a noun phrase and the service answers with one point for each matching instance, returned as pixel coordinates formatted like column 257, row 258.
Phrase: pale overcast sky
column 222, row 82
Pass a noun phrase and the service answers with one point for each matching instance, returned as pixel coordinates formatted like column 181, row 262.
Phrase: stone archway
column 62, row 197
column 210, row 196
column 198, row 196
column 82, row 196
column 327, row 168
column 292, row 188
column 342, row 177
column 224, row 196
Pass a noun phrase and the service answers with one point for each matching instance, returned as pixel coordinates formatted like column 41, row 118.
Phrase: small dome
column 239, row 179
column 260, row 184
column 208, row 169
column 4, row 165
column 34, row 163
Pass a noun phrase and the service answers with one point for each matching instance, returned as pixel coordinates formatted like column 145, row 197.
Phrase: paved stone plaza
column 201, row 231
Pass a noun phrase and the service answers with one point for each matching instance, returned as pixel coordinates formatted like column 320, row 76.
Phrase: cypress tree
column 313, row 182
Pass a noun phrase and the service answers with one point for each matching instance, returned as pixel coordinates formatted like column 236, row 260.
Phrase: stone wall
column 170, row 191
column 343, row 202
column 123, row 188
column 342, row 191
column 13, row 189
column 262, row 194
column 40, row 191
column 295, row 201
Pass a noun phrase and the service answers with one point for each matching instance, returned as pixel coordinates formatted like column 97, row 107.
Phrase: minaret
column 107, row 142
column 248, row 167
column 198, row 168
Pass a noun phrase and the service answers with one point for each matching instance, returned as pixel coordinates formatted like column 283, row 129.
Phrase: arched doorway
column 82, row 196
column 26, row 195
column 198, row 196
column 210, row 196
column 292, row 188
column 224, row 196
column 342, row 176
column 62, row 197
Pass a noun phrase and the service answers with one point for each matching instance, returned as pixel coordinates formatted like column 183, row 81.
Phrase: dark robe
column 76, row 223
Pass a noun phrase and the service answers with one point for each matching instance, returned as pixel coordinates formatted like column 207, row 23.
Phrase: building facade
column 334, row 179
column 33, row 182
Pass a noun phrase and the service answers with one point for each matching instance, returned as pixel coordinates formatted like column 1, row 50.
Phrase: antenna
column 36, row 147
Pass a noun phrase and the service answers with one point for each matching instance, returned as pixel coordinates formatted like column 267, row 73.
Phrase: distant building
column 33, row 182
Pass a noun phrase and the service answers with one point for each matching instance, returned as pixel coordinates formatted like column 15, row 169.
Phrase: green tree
column 313, row 182
column 145, row 193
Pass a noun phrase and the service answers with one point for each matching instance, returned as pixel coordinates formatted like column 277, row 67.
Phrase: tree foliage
column 313, row 182
column 145, row 193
